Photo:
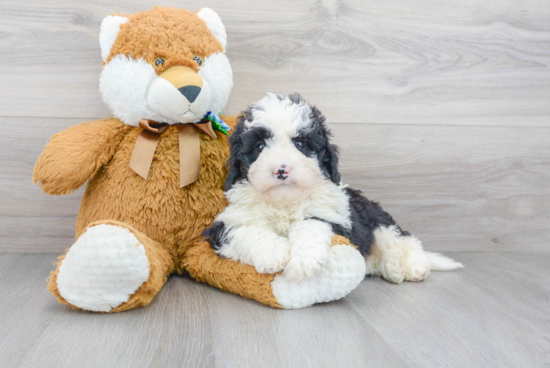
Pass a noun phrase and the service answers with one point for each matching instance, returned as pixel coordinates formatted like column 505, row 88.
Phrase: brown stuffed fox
column 155, row 172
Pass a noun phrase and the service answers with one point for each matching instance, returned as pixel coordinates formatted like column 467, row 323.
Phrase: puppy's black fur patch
column 216, row 235
column 366, row 217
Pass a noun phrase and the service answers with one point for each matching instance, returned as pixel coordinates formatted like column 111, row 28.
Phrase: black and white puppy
column 286, row 201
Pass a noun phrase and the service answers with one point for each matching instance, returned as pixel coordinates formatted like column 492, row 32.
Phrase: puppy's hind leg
column 391, row 249
column 385, row 258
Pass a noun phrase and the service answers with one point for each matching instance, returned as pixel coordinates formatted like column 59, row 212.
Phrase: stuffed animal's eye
column 159, row 61
column 198, row 59
column 260, row 146
column 299, row 143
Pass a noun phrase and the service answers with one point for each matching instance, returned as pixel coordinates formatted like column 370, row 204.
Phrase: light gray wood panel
column 456, row 188
column 493, row 313
column 462, row 63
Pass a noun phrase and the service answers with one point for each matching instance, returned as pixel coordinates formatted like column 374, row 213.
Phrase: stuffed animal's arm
column 256, row 246
column 76, row 154
column 344, row 271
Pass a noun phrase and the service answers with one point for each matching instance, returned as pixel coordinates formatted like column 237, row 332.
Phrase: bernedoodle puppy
column 286, row 201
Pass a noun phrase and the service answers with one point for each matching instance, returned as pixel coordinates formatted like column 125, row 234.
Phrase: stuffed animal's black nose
column 190, row 92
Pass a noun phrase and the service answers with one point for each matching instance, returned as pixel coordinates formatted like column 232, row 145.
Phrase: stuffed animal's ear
column 214, row 23
column 110, row 26
column 330, row 162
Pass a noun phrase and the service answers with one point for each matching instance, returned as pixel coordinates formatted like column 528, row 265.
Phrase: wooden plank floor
column 493, row 313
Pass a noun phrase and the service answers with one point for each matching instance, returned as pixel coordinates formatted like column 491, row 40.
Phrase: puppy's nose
column 281, row 172
column 190, row 92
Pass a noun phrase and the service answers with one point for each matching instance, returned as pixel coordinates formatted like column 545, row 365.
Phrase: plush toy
column 155, row 173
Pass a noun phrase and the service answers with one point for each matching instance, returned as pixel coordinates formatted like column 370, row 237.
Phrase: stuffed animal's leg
column 341, row 274
column 111, row 268
column 206, row 266
column 398, row 257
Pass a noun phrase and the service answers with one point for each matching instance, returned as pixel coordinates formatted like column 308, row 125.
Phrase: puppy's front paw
column 306, row 265
column 273, row 262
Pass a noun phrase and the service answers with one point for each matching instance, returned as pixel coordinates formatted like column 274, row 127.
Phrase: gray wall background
column 441, row 110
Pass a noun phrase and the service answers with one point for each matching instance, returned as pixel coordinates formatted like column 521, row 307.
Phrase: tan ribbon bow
column 189, row 146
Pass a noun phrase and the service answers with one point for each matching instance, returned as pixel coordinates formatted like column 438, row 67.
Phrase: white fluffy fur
column 123, row 85
column 258, row 230
column 103, row 268
column 311, row 241
column 257, row 246
column 217, row 72
column 282, row 117
column 110, row 26
column 248, row 207
column 439, row 262
column 215, row 24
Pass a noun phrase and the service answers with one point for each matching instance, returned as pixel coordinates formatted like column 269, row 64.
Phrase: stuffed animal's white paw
column 343, row 271
column 105, row 266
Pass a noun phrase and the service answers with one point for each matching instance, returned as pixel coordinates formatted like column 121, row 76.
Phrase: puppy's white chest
column 280, row 222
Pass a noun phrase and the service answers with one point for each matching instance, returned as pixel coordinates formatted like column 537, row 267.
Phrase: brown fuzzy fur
column 166, row 219
column 205, row 266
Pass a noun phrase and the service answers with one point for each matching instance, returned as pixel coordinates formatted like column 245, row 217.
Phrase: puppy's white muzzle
column 180, row 94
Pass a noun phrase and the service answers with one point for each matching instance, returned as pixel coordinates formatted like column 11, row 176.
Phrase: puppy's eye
column 260, row 146
column 299, row 143
column 198, row 59
column 159, row 61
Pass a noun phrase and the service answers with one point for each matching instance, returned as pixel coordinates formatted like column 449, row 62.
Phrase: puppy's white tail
column 439, row 262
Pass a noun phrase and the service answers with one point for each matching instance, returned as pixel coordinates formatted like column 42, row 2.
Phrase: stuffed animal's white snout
column 180, row 94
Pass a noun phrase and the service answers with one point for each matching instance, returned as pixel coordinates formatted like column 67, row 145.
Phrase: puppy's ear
column 330, row 163
column 234, row 163
column 234, row 172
